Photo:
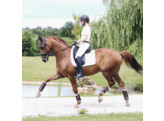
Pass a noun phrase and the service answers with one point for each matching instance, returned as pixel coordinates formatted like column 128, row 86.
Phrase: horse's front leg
column 54, row 77
column 75, row 90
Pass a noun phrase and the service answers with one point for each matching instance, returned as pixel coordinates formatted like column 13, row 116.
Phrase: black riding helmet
column 84, row 18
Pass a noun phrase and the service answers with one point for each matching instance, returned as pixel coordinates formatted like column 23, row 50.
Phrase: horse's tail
column 131, row 62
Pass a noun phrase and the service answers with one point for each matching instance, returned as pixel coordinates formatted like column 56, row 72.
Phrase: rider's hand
column 74, row 43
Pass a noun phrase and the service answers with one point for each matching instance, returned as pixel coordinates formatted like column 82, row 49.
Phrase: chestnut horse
column 107, row 61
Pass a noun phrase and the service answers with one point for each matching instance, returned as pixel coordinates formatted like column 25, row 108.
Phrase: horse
column 108, row 62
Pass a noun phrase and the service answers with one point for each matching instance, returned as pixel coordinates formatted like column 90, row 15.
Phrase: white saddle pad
column 90, row 58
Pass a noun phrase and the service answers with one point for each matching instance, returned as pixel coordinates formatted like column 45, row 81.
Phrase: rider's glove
column 74, row 43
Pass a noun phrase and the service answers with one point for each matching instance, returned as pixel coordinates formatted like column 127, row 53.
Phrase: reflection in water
column 51, row 91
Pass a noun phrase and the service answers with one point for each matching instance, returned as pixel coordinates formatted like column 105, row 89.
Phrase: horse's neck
column 58, row 47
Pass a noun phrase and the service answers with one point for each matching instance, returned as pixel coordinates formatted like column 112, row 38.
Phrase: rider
column 84, row 43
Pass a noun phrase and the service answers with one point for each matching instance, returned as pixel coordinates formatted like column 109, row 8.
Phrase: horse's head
column 44, row 49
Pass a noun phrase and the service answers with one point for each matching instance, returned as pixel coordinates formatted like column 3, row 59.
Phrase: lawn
column 102, row 117
column 33, row 69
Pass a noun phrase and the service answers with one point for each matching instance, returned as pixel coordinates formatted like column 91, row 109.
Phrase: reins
column 62, row 50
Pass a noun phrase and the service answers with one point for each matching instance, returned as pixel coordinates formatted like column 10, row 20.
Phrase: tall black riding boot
column 79, row 67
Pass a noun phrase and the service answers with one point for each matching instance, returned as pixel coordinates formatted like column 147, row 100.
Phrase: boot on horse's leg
column 124, row 91
column 111, row 82
column 103, row 91
column 126, row 97
column 78, row 98
column 79, row 68
column 42, row 86
column 40, row 89
column 75, row 90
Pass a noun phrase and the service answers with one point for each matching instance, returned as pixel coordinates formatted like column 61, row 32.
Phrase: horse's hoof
column 127, row 104
column 76, row 106
column 100, row 100
column 38, row 94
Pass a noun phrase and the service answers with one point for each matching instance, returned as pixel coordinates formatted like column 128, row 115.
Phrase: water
column 51, row 91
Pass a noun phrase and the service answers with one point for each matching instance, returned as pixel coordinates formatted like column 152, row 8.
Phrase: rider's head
column 84, row 19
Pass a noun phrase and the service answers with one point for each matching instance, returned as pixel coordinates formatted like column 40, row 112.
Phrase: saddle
column 83, row 56
column 88, row 59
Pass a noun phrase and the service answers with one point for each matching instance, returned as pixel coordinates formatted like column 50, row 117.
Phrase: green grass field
column 33, row 69
column 102, row 117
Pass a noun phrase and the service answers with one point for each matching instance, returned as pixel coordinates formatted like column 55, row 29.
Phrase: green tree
column 125, row 19
column 29, row 44
column 121, row 28
column 100, row 36
column 77, row 28
column 66, row 31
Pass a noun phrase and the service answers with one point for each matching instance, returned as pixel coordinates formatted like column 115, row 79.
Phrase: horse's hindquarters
column 108, row 60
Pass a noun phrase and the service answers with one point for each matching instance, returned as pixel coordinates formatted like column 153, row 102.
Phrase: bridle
column 44, row 47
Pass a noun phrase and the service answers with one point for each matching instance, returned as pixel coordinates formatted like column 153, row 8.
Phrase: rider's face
column 82, row 22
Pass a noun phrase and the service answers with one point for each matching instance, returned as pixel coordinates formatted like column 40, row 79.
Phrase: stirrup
column 78, row 76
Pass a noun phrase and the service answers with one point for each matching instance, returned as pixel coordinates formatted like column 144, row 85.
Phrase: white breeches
column 82, row 48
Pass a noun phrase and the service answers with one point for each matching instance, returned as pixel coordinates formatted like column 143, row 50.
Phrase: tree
column 76, row 27
column 125, row 19
column 66, row 31
column 121, row 28
column 28, row 43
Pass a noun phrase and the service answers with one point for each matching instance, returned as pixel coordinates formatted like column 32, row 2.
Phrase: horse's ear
column 40, row 39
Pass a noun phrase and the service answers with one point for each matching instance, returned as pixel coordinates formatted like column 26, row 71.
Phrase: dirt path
column 65, row 106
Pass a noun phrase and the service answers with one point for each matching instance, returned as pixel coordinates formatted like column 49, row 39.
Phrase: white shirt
column 86, row 31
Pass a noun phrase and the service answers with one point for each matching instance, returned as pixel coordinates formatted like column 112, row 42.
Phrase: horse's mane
column 57, row 39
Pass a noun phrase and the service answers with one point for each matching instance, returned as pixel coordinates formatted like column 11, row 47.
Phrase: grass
column 33, row 69
column 59, row 87
column 82, row 111
column 102, row 117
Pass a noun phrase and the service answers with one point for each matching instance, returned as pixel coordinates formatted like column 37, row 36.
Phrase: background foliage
column 121, row 28
column 30, row 42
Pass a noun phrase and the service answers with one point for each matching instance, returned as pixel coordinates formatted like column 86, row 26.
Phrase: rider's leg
column 80, row 52
column 79, row 67
column 82, row 49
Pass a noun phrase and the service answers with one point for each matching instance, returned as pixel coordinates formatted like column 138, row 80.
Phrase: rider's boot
column 79, row 68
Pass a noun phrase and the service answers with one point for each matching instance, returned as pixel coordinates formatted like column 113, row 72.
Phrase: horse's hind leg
column 122, row 85
column 110, row 84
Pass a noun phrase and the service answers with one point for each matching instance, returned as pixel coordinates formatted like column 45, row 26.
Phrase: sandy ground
column 65, row 106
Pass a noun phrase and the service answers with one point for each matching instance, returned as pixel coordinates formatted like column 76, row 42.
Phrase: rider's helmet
column 84, row 18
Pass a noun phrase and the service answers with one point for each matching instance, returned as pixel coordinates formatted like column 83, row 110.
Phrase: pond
column 53, row 91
